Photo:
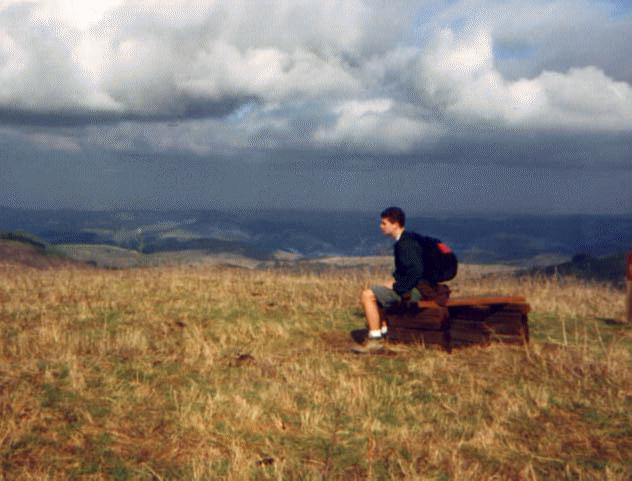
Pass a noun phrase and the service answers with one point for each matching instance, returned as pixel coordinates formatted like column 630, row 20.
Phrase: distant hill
column 17, row 250
column 24, row 238
column 22, row 248
column 113, row 257
column 516, row 239
column 610, row 269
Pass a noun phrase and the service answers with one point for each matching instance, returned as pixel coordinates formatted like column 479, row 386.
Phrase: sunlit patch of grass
column 213, row 373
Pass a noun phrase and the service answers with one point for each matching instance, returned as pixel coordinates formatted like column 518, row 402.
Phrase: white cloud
column 375, row 126
column 139, row 56
column 38, row 67
column 76, row 14
column 333, row 74
column 458, row 74
column 270, row 74
column 550, row 34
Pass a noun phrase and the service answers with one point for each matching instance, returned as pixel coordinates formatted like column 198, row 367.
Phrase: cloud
column 146, row 59
column 553, row 35
column 36, row 68
column 457, row 74
column 361, row 77
column 374, row 126
column 269, row 74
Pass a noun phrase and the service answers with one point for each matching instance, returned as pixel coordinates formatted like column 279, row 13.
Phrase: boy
column 409, row 271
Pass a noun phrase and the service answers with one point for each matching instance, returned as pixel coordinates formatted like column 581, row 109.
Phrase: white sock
column 384, row 329
column 375, row 334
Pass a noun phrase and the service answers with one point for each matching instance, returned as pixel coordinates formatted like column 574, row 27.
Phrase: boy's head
column 392, row 221
column 395, row 215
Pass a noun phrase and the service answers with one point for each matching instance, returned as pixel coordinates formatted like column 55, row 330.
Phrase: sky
column 462, row 106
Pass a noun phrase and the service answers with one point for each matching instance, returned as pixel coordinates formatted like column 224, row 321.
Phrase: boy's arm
column 411, row 265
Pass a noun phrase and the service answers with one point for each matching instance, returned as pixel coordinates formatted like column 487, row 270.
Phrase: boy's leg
column 371, row 300
column 389, row 285
column 371, row 310
column 374, row 298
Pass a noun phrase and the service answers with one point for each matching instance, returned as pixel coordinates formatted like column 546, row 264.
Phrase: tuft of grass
column 204, row 372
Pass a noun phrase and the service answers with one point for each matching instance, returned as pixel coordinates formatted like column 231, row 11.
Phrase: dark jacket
column 409, row 264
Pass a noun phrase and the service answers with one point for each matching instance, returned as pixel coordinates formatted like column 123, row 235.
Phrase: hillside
column 20, row 253
column 610, row 268
column 202, row 372
column 114, row 257
column 519, row 239
column 26, row 250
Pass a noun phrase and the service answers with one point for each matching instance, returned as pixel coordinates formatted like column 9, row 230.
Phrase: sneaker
column 369, row 346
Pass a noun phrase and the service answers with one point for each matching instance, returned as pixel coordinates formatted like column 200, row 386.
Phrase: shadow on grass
column 359, row 335
column 615, row 322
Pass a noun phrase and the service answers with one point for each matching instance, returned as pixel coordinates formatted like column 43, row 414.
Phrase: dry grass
column 204, row 373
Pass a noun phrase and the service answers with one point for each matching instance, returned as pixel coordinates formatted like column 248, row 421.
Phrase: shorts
column 388, row 297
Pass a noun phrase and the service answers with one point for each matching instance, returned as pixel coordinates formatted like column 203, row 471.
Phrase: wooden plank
column 513, row 327
column 485, row 300
column 516, row 306
column 414, row 317
column 415, row 306
column 418, row 322
column 415, row 309
column 487, row 316
column 523, row 308
column 477, row 336
column 455, row 344
column 509, row 303
column 418, row 336
column 464, row 321
column 428, row 305
column 485, row 336
column 491, row 319
column 506, row 329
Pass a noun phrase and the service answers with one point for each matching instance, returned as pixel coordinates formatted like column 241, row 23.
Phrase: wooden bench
column 461, row 322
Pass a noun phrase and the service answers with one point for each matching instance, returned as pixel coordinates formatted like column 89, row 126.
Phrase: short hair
column 394, row 214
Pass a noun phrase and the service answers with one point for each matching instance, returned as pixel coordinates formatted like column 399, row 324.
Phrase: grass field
column 208, row 373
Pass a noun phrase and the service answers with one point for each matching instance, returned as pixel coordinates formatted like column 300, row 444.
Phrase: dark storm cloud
column 188, row 109
column 125, row 181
